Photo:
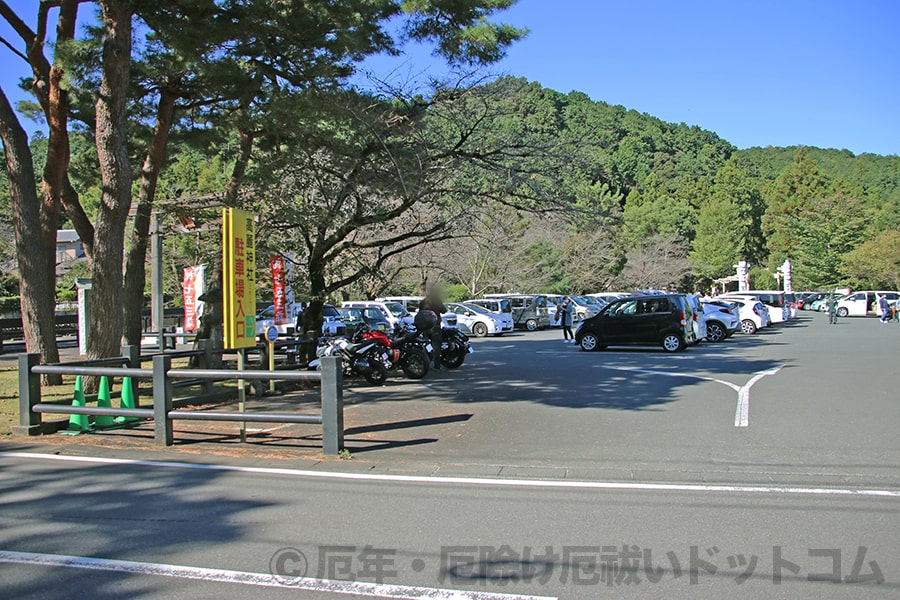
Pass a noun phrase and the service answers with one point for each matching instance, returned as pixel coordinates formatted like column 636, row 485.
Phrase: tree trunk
column 36, row 289
column 135, row 264
column 115, row 173
column 56, row 110
column 314, row 318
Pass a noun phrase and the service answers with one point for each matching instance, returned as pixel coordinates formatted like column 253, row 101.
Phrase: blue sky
column 757, row 72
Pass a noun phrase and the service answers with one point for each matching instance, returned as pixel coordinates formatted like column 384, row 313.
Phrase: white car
column 721, row 321
column 778, row 303
column 753, row 314
column 332, row 322
column 394, row 312
column 479, row 321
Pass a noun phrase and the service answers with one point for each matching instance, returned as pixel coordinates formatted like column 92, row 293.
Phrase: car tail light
column 683, row 320
column 756, row 311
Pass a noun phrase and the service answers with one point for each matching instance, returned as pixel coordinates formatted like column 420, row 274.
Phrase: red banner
column 278, row 289
column 189, row 293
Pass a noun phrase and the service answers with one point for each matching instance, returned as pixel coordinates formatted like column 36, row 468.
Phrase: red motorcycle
column 405, row 350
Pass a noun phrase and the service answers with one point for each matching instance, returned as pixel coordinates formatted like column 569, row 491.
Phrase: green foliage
column 796, row 186
column 9, row 304
column 875, row 264
column 456, row 292
column 829, row 228
column 760, row 278
column 717, row 245
column 652, row 210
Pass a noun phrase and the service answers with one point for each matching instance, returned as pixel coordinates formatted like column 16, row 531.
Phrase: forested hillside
column 545, row 191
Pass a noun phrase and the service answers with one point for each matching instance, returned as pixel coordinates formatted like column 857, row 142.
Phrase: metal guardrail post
column 162, row 400
column 332, row 405
column 133, row 354
column 29, row 396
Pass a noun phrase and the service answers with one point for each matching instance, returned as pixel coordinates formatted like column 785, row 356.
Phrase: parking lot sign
column 239, row 277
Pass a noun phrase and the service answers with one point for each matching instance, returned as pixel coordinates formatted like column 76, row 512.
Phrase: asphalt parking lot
column 801, row 402
column 760, row 467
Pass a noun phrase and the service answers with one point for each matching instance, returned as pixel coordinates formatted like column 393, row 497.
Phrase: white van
column 411, row 304
column 860, row 304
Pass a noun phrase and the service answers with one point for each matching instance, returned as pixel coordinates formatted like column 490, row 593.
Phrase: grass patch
column 9, row 397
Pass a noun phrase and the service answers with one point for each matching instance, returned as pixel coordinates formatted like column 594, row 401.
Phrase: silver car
column 479, row 321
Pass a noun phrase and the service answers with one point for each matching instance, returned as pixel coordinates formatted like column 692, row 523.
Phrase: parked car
column 753, row 314
column 495, row 305
column 581, row 309
column 480, row 322
column 804, row 301
column 821, row 304
column 332, row 323
column 664, row 319
column 860, row 304
column 394, row 312
column 530, row 311
column 721, row 321
column 372, row 317
column 597, row 301
column 780, row 304
column 608, row 297
column 411, row 304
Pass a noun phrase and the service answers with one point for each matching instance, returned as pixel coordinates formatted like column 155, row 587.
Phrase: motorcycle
column 404, row 350
column 366, row 358
column 455, row 346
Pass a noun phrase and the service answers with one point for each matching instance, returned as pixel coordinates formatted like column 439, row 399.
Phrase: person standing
column 564, row 316
column 428, row 321
column 832, row 308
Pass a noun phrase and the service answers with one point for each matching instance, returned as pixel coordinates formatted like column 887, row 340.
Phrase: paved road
column 577, row 476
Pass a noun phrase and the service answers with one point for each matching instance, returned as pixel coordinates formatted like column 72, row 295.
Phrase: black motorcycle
column 455, row 346
column 366, row 358
column 404, row 349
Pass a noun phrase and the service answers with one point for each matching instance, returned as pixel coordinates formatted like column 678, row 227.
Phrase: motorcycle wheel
column 454, row 360
column 415, row 363
column 377, row 374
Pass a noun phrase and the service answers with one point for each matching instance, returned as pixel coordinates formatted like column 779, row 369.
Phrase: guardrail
column 164, row 379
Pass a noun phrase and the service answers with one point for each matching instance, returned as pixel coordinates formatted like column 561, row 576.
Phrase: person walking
column 564, row 317
column 884, row 307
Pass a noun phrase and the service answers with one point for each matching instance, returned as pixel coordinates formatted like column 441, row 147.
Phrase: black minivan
column 639, row 320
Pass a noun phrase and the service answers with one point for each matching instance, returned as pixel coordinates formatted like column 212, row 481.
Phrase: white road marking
column 309, row 584
column 742, row 412
column 486, row 481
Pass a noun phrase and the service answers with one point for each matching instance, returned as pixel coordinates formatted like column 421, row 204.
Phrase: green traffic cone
column 78, row 423
column 129, row 393
column 103, row 402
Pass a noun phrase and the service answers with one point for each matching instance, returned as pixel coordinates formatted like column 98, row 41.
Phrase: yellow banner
column 239, row 277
